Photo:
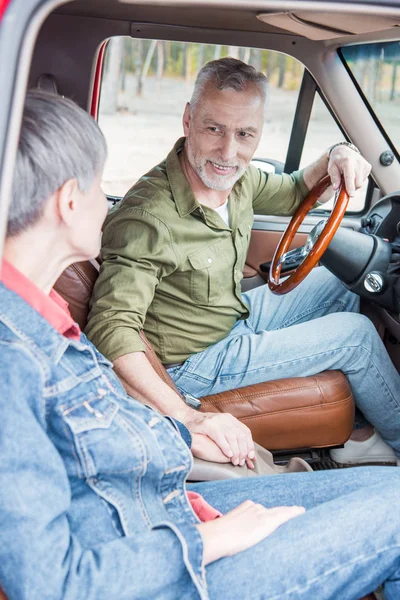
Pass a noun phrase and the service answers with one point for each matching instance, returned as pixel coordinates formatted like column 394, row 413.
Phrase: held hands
column 241, row 528
column 349, row 164
column 229, row 440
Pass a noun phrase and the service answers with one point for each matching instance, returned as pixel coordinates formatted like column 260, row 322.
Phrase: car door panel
column 263, row 243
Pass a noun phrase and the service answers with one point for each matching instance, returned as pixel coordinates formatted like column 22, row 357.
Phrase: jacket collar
column 30, row 327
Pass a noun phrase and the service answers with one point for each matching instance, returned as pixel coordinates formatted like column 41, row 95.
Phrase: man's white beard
column 214, row 182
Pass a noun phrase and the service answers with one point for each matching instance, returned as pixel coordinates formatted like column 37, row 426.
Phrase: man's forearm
column 143, row 383
column 314, row 172
column 231, row 437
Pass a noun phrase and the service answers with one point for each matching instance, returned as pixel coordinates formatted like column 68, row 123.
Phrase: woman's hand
column 241, row 528
column 203, row 447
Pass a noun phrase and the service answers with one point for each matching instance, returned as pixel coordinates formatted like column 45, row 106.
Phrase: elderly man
column 173, row 254
column 93, row 499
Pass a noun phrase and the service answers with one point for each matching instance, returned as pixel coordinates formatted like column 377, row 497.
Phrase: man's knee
column 330, row 287
column 356, row 328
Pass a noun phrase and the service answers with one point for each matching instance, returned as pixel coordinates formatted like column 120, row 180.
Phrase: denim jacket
column 92, row 483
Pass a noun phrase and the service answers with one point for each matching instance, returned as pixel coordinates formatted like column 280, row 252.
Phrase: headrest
column 75, row 285
column 47, row 83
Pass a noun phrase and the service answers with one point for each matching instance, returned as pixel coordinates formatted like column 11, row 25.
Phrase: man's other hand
column 347, row 163
column 231, row 436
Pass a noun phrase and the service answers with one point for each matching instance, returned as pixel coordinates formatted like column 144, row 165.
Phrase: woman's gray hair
column 58, row 141
column 228, row 73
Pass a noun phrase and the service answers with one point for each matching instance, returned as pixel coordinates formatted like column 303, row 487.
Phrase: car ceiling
column 313, row 20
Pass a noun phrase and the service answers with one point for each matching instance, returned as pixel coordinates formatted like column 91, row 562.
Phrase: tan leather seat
column 293, row 413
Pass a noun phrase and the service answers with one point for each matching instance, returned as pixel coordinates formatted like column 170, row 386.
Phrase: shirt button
column 210, row 260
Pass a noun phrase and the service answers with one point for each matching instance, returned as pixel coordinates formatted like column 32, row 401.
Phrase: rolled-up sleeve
column 277, row 194
column 137, row 253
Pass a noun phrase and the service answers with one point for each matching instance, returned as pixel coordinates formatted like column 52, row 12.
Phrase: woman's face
column 91, row 211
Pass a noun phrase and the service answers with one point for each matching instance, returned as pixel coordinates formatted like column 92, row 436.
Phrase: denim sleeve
column 40, row 558
column 184, row 431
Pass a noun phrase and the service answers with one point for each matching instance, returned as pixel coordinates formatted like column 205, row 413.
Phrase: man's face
column 223, row 132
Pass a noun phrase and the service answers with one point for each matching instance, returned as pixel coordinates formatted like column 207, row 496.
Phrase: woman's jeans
column 343, row 547
column 314, row 328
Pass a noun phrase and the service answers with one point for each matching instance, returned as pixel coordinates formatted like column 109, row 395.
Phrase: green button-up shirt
column 173, row 267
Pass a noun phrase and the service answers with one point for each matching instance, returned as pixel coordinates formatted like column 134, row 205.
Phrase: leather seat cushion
column 298, row 412
column 302, row 412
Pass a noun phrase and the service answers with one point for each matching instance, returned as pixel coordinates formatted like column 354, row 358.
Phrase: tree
column 233, row 51
column 281, row 73
column 139, row 65
column 246, row 53
column 143, row 72
column 217, row 52
column 160, row 63
column 111, row 77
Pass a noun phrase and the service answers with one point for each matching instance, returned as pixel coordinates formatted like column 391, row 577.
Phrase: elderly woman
column 93, row 501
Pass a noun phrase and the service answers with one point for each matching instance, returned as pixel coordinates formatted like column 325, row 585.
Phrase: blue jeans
column 343, row 547
column 314, row 328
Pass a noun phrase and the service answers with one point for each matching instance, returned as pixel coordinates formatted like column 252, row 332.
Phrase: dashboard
column 383, row 218
column 383, row 222
column 368, row 261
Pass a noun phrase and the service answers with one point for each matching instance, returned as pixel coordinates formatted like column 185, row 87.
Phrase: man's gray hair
column 58, row 141
column 228, row 73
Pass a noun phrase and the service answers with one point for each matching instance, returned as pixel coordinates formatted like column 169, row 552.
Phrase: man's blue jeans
column 343, row 547
column 314, row 328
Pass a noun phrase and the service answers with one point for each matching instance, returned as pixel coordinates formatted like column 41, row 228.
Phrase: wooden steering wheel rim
column 319, row 247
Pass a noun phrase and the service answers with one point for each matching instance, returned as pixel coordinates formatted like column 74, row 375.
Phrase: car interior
column 294, row 415
column 62, row 46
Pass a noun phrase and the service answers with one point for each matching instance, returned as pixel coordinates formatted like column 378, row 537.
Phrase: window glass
column 376, row 69
column 322, row 133
column 145, row 86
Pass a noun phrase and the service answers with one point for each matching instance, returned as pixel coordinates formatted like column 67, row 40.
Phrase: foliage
column 183, row 60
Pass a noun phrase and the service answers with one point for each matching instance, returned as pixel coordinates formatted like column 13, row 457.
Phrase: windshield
column 376, row 69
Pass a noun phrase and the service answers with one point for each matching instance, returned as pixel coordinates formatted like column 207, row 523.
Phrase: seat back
column 75, row 285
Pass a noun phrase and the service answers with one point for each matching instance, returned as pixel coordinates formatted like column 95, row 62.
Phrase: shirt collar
column 182, row 193
column 51, row 307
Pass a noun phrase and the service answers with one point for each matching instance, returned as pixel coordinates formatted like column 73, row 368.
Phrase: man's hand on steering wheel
column 346, row 162
column 347, row 171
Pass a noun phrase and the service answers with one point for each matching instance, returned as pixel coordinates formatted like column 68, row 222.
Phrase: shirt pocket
column 211, row 273
column 105, row 440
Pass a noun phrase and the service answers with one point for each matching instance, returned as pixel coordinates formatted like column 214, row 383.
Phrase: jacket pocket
column 211, row 273
column 106, row 441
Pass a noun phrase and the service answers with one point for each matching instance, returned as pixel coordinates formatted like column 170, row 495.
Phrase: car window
column 322, row 133
column 145, row 86
column 375, row 67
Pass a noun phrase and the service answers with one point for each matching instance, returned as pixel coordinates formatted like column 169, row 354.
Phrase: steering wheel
column 317, row 241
